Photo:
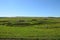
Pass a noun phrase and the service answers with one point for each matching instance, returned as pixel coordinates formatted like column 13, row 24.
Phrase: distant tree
column 3, row 21
column 20, row 20
column 9, row 24
column 45, row 19
column 34, row 19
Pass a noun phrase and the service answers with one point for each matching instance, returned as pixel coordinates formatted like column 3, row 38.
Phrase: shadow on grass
column 29, row 38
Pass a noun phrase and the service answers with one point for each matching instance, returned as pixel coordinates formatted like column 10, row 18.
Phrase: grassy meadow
column 42, row 28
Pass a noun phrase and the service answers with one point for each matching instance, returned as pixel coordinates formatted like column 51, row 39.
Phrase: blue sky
column 42, row 8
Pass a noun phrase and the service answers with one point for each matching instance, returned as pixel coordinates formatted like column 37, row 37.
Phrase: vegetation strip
column 40, row 38
column 30, row 28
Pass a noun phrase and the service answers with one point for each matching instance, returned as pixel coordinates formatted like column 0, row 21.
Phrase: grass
column 17, row 32
column 50, row 30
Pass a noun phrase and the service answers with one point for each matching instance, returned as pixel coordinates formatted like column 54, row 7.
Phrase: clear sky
column 37, row 8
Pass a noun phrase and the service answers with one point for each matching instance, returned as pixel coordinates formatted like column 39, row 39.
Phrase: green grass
column 17, row 32
column 49, row 29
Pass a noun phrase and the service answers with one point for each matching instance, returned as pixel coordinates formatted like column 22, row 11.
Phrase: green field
column 37, row 28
